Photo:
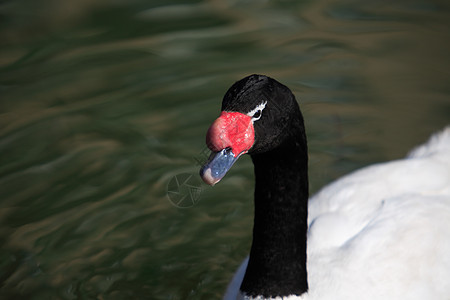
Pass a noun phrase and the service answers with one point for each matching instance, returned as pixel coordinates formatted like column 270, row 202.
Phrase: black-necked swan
column 382, row 232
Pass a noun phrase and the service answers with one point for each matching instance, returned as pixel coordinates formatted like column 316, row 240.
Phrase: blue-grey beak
column 217, row 166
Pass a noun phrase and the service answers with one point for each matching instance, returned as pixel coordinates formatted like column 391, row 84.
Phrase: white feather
column 259, row 107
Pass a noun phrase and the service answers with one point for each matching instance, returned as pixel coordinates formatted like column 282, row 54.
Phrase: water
column 103, row 103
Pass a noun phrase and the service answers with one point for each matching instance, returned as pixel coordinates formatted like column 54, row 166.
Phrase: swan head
column 258, row 115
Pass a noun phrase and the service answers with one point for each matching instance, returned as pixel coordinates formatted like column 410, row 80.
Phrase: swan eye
column 256, row 113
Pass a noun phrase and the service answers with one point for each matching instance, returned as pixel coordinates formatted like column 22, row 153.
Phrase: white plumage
column 382, row 232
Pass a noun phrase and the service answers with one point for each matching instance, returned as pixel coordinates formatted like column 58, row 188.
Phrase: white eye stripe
column 259, row 108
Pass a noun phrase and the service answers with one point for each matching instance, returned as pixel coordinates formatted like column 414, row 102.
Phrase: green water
column 104, row 103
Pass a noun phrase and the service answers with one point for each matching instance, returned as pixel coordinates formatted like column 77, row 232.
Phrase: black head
column 271, row 105
column 259, row 115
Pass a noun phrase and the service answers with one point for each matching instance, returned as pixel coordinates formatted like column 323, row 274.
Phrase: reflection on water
column 104, row 102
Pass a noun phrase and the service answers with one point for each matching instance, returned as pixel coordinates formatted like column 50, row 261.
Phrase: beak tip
column 207, row 177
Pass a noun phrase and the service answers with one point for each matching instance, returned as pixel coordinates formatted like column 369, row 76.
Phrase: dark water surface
column 103, row 103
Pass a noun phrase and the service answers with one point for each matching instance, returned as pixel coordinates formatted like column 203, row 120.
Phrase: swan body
column 386, row 225
column 382, row 232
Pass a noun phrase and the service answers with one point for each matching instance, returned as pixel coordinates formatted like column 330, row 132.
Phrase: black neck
column 277, row 264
